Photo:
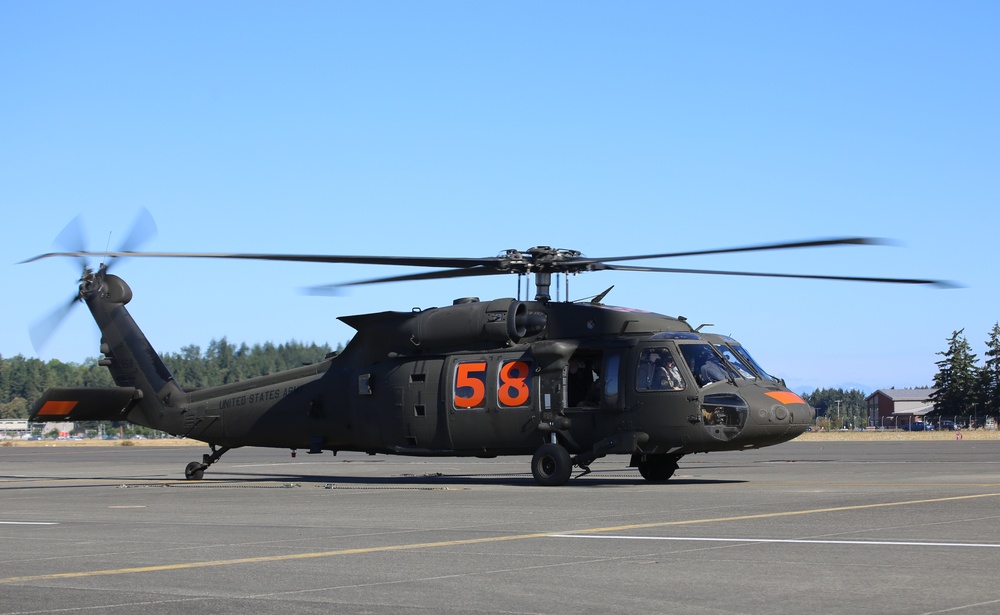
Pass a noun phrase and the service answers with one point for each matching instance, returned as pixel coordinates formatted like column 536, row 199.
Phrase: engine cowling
column 470, row 321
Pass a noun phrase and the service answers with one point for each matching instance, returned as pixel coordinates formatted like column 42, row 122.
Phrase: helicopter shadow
column 444, row 481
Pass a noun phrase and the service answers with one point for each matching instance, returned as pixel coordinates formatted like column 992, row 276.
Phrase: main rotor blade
column 411, row 261
column 814, row 243
column 937, row 283
column 333, row 289
column 565, row 263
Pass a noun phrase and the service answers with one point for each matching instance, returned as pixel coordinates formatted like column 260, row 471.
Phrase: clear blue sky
column 465, row 128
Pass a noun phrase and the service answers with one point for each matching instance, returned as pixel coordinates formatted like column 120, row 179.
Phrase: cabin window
column 470, row 385
column 514, row 384
column 364, row 384
column 611, row 367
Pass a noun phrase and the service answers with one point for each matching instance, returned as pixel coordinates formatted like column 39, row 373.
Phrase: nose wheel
column 196, row 469
column 656, row 468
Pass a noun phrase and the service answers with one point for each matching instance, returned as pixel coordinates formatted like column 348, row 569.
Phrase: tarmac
column 825, row 527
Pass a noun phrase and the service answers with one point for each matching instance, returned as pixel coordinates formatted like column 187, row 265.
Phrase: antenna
column 107, row 248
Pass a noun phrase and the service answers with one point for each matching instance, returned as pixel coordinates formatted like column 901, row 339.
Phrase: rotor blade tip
column 35, row 258
column 880, row 241
column 947, row 284
column 324, row 291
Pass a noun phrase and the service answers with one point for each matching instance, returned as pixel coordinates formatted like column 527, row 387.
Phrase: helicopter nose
column 781, row 409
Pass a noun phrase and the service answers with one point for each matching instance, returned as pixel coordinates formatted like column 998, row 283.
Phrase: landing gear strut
column 196, row 469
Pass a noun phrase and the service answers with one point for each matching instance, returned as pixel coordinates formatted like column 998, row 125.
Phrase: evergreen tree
column 957, row 378
column 4, row 380
column 989, row 381
column 93, row 375
column 17, row 408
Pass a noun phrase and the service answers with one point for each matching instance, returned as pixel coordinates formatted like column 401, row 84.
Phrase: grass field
column 895, row 436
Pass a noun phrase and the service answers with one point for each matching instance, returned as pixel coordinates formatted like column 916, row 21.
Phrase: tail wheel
column 551, row 465
column 657, row 468
column 195, row 471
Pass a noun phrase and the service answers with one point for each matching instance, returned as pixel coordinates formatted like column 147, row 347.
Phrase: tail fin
column 135, row 367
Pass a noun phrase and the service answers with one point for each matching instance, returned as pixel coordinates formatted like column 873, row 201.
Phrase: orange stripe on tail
column 57, row 408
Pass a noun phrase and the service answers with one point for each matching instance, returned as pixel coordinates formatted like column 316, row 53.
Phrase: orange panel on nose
column 786, row 397
column 57, row 408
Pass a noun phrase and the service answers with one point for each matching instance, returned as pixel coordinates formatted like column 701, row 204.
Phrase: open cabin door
column 591, row 381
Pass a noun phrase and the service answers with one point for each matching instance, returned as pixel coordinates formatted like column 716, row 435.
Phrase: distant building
column 13, row 428
column 896, row 407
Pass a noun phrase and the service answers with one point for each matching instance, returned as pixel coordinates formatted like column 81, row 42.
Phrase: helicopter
column 566, row 382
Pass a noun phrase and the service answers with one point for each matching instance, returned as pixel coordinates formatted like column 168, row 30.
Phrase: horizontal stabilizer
column 60, row 404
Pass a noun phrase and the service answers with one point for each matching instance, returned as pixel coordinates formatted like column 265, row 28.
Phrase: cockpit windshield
column 748, row 361
column 730, row 355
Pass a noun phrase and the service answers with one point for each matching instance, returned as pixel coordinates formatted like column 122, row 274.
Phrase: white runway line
column 883, row 543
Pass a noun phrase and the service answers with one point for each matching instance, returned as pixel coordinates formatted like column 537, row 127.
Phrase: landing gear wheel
column 194, row 471
column 551, row 465
column 657, row 468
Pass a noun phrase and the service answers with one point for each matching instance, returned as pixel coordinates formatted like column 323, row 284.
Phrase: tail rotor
column 71, row 240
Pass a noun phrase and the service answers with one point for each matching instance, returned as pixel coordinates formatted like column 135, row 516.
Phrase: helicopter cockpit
column 709, row 358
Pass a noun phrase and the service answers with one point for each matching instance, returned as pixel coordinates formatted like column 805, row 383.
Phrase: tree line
column 24, row 380
column 836, row 408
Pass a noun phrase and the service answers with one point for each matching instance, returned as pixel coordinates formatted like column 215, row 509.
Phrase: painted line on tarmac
column 270, row 558
column 882, row 543
column 28, row 523
column 463, row 542
column 789, row 513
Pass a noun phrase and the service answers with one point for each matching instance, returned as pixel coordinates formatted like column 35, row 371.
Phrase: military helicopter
column 565, row 382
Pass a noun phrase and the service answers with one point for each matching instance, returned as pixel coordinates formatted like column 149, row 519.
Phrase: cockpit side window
column 657, row 371
column 705, row 364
